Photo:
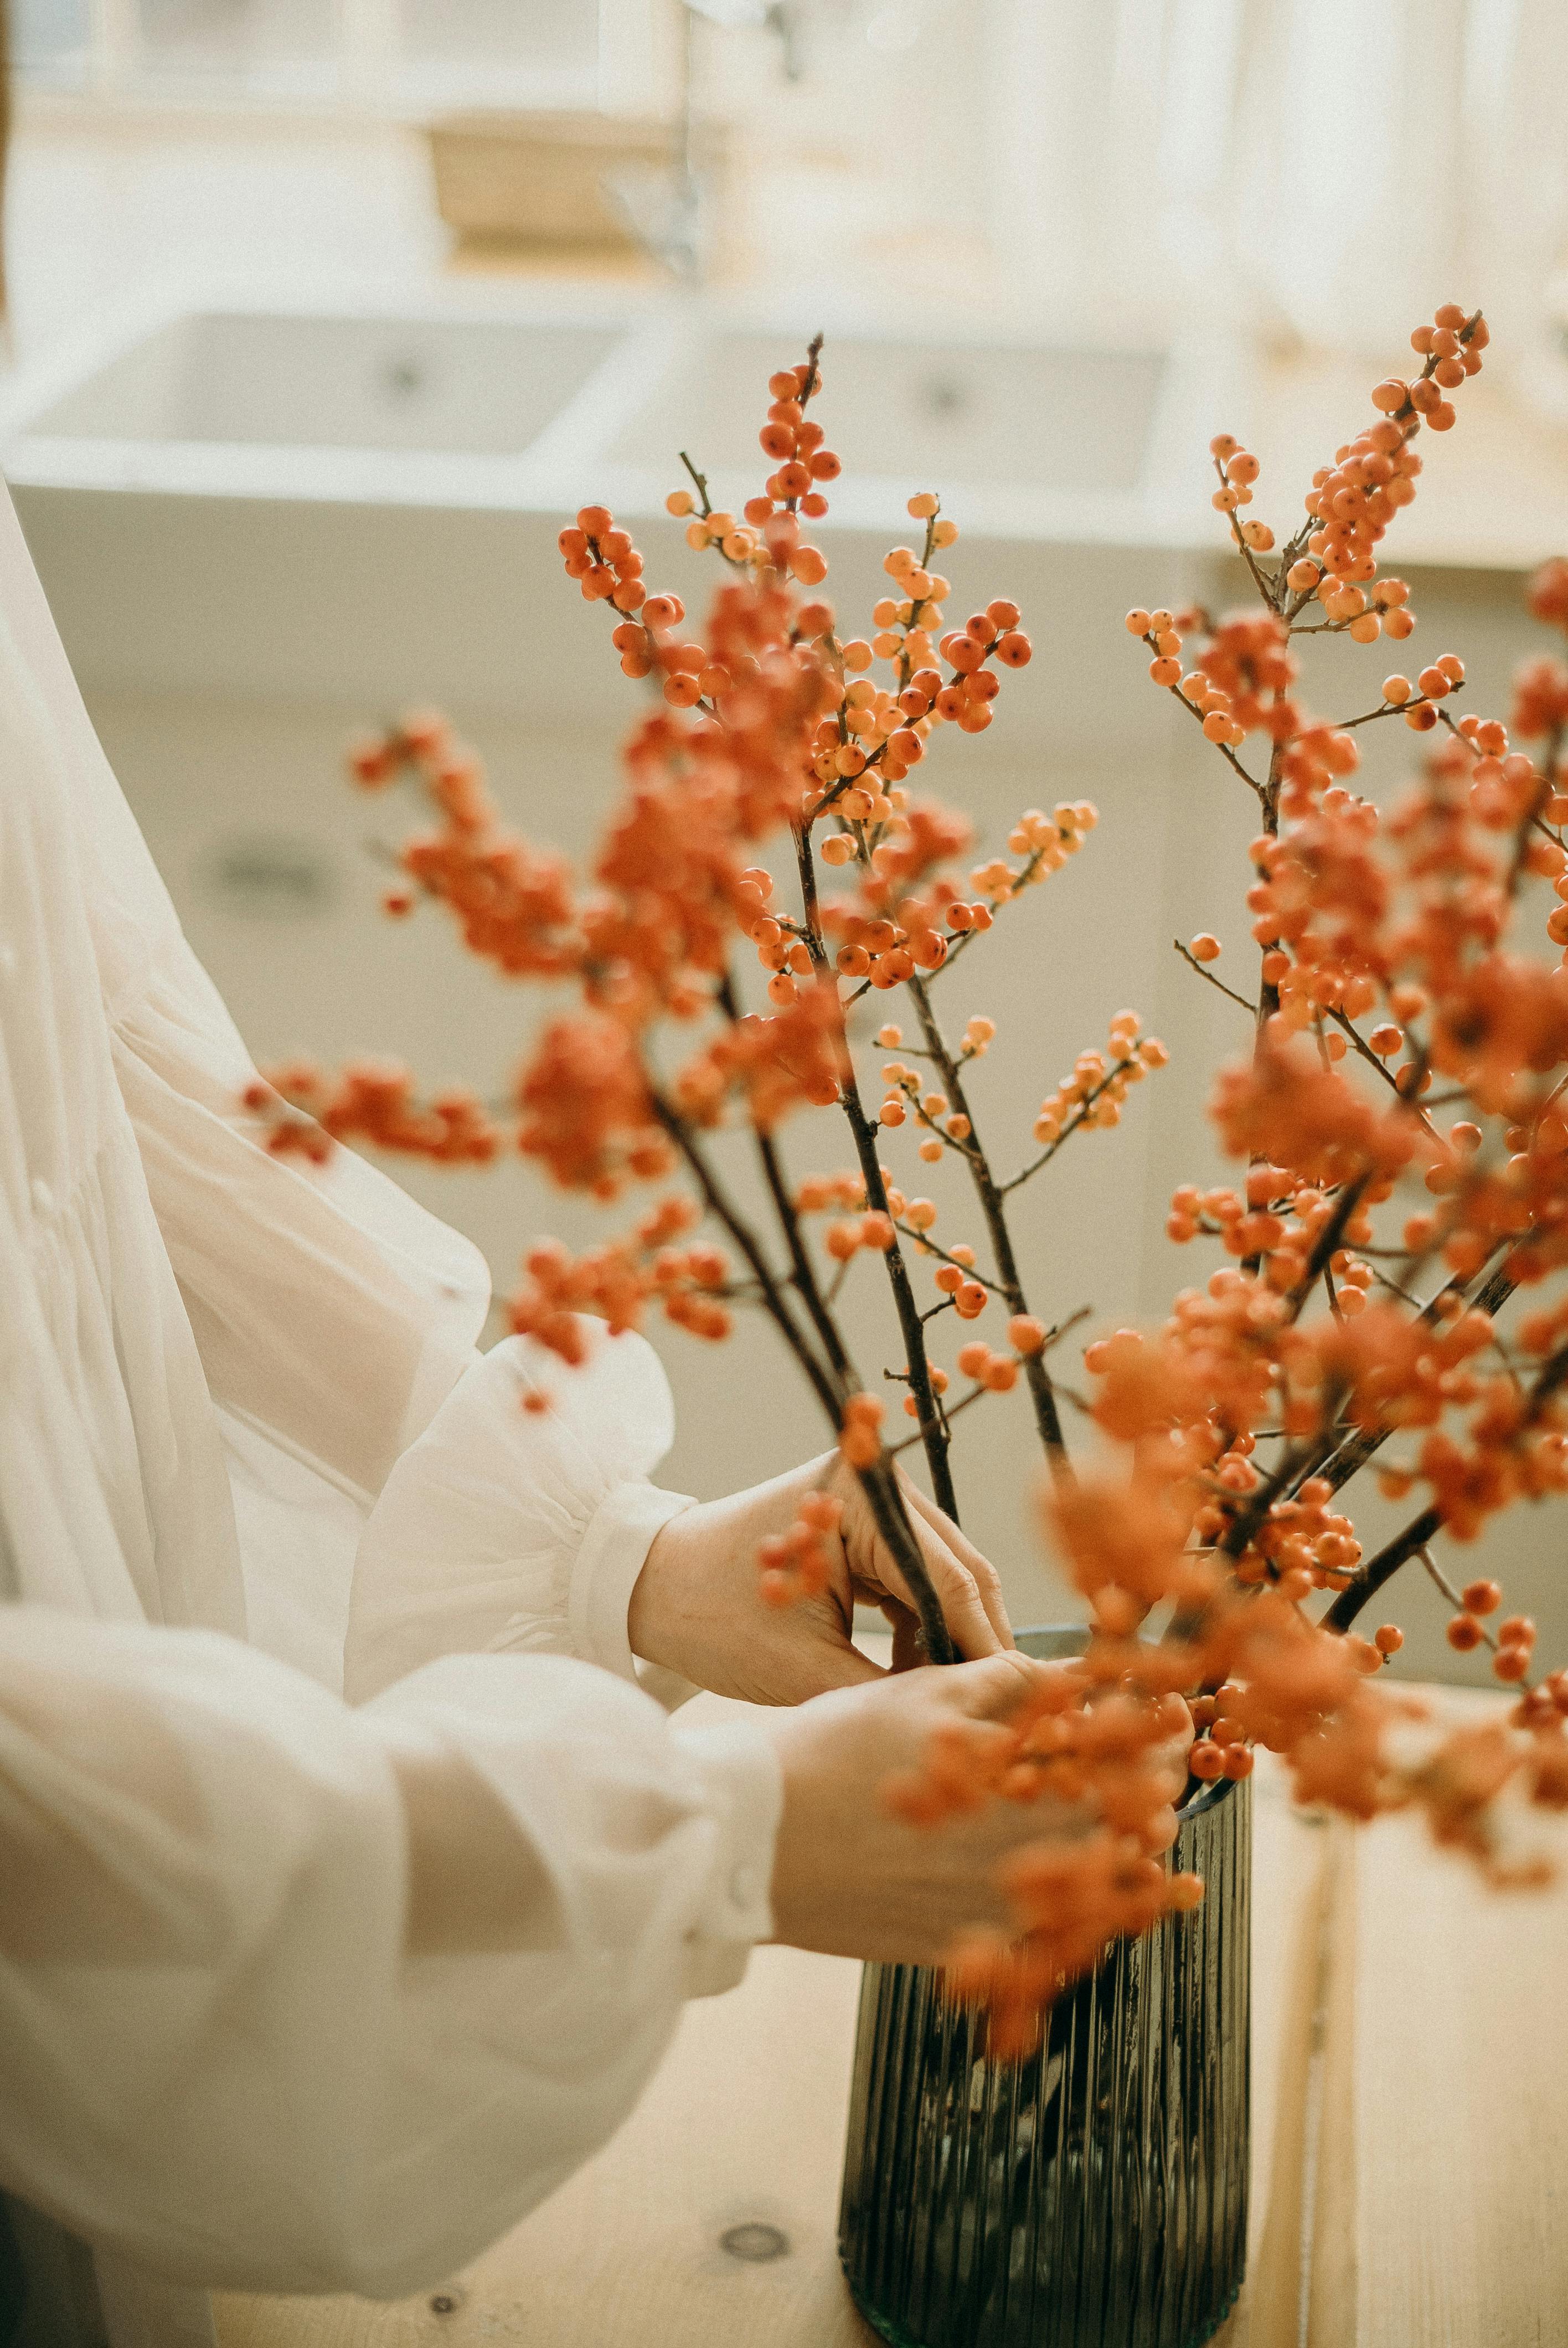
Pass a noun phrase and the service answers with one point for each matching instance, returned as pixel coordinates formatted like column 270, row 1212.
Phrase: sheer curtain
column 1317, row 165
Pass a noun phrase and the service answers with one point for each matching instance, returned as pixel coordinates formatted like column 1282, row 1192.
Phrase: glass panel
column 50, row 38
column 267, row 44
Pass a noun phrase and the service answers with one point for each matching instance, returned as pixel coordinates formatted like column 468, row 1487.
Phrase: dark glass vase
column 1094, row 2195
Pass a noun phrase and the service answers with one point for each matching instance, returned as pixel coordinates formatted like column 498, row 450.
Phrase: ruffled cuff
column 743, row 1786
column 605, row 1572
column 519, row 1529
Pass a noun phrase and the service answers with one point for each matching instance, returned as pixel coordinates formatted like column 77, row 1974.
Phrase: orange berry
column 1025, row 1334
column 1463, row 1633
column 1482, row 1597
column 1203, row 948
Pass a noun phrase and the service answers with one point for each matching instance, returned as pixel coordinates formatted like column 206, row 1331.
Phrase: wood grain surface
column 1441, row 2210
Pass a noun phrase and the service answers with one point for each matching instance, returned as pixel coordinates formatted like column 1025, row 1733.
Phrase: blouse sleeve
column 206, row 1860
column 506, row 1527
column 332, row 1313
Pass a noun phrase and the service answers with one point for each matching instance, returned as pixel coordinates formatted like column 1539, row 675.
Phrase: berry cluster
column 370, row 1101
column 618, row 1282
column 798, row 1563
column 1096, row 1091
column 1354, row 500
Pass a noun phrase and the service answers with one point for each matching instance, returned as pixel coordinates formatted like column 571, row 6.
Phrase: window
column 391, row 53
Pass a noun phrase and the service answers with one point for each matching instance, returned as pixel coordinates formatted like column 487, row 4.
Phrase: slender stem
column 1080, row 1119
column 880, row 1484
column 935, row 1438
column 1383, row 1568
column 880, row 1481
column 924, row 1242
column 829, row 1391
column 1222, row 747
column 909, row 1320
column 951, row 1410
column 802, row 1275
column 1048, row 1418
column 1265, row 586
column 1204, row 972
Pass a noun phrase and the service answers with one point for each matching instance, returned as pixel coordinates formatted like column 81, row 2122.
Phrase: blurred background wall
column 1275, row 192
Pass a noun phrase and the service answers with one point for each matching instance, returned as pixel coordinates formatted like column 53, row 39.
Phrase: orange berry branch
column 1348, row 1322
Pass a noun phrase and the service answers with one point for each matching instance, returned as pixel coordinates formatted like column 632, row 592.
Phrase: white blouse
column 216, row 2062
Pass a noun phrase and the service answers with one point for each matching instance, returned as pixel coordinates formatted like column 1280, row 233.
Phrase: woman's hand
column 852, row 1879
column 697, row 1608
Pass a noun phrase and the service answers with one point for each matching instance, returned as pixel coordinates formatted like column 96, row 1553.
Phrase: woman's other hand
column 854, row 1880
column 697, row 1607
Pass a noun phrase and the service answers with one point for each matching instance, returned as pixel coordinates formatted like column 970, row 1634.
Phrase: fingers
column 963, row 1609
column 959, row 1589
column 966, row 1584
column 981, row 1571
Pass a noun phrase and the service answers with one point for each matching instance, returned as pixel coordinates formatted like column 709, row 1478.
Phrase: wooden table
column 1410, row 2114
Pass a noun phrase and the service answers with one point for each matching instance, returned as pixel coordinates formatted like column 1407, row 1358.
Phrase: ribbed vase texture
column 1093, row 2196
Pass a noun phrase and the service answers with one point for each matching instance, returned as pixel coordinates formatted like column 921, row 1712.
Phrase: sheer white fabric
column 216, row 2062
column 214, row 2058
column 1157, row 164
column 505, row 1527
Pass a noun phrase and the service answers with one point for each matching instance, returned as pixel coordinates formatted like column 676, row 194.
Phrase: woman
column 295, row 1995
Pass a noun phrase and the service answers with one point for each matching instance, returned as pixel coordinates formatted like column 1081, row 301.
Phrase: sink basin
column 475, row 386
column 1024, row 415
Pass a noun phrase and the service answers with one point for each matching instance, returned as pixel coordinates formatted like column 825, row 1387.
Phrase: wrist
column 695, row 1605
